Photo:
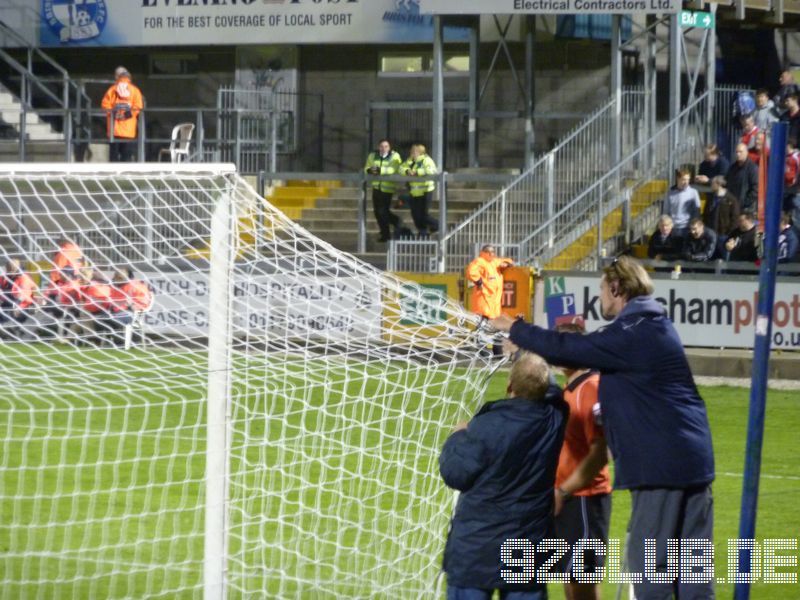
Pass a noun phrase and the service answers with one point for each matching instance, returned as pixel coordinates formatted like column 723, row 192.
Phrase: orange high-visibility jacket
column 123, row 102
column 134, row 294
column 23, row 290
column 69, row 256
column 95, row 296
column 487, row 297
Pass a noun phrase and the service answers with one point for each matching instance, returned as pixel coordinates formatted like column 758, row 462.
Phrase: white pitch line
column 789, row 477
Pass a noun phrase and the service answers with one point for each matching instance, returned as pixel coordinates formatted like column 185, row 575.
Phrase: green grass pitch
column 115, row 508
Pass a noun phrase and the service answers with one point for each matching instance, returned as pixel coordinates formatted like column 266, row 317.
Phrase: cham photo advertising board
column 722, row 315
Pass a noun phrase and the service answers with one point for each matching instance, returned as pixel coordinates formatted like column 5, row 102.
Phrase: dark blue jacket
column 504, row 465
column 655, row 420
column 787, row 245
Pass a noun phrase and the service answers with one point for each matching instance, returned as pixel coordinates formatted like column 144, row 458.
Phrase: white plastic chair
column 179, row 146
column 137, row 323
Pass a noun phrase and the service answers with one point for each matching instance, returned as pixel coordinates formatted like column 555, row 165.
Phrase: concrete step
column 377, row 259
column 352, row 204
column 35, row 151
column 348, row 220
column 347, row 241
column 14, row 117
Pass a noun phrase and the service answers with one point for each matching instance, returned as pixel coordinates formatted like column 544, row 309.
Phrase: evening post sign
column 184, row 22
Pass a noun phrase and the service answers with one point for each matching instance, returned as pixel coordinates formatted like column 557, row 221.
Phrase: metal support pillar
column 675, row 47
column 650, row 85
column 530, row 88
column 474, row 84
column 437, row 135
column 711, row 77
column 616, row 91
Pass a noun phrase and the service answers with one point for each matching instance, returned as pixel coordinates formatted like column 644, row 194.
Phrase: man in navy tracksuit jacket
column 504, row 464
column 654, row 418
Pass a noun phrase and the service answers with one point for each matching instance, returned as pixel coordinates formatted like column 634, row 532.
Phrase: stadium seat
column 178, row 150
column 137, row 323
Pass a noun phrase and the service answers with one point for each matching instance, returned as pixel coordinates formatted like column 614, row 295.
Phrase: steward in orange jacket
column 485, row 274
column 122, row 102
column 17, row 292
column 68, row 262
column 129, row 293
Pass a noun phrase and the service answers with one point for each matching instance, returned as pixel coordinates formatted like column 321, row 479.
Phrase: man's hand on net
column 502, row 323
column 461, row 426
column 509, row 347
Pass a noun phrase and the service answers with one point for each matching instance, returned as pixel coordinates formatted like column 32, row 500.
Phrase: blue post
column 758, row 390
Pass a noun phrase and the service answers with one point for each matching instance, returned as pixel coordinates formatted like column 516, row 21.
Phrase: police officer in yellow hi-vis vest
column 420, row 164
column 384, row 161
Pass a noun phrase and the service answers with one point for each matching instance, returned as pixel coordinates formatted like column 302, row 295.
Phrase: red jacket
column 134, row 294
column 18, row 289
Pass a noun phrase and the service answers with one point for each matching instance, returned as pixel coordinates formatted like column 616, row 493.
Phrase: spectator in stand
column 766, row 113
column 750, row 136
column 721, row 211
column 122, row 102
column 17, row 294
column 419, row 164
column 95, row 308
column 682, row 202
column 701, row 243
column 664, row 244
column 787, row 87
column 792, row 116
column 131, row 293
column 713, row 164
column 791, row 182
column 787, row 240
column 741, row 243
column 583, row 485
column 384, row 161
column 504, row 464
column 67, row 261
column 742, row 178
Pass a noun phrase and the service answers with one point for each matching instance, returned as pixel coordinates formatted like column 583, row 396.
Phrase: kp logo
column 75, row 20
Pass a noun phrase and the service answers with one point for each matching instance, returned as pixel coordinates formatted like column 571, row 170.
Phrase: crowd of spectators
column 722, row 225
column 77, row 298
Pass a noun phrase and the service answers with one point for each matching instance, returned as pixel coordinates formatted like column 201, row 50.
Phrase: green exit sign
column 702, row 20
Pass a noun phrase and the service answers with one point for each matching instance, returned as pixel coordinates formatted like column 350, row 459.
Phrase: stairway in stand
column 44, row 144
column 645, row 206
column 329, row 210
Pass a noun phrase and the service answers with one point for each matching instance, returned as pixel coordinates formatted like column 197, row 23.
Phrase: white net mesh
column 341, row 382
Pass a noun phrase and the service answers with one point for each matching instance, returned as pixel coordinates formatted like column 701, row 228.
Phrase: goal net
column 201, row 398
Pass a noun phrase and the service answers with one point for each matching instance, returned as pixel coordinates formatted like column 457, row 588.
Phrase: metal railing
column 538, row 200
column 48, row 95
column 444, row 183
column 678, row 142
column 552, row 181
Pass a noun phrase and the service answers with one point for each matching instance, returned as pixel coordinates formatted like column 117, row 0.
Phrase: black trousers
column 382, row 204
column 420, row 207
column 122, row 151
column 660, row 514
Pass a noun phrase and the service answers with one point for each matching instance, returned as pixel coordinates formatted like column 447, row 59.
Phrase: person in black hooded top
column 504, row 464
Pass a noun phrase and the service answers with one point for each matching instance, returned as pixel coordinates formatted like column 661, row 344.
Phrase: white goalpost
column 271, row 427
